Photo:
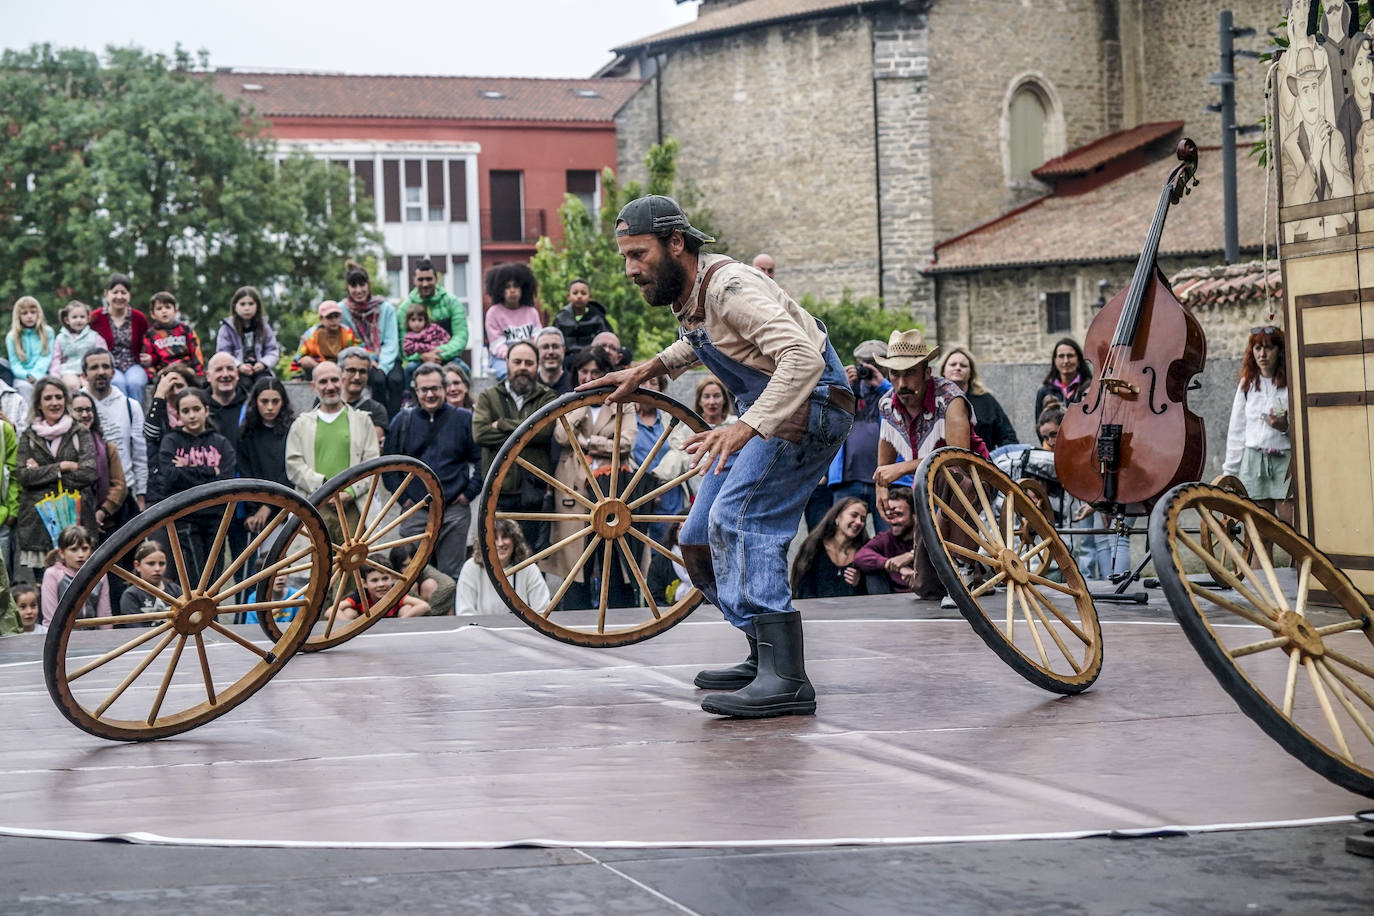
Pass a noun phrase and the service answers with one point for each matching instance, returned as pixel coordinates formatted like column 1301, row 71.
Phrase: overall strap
column 700, row 312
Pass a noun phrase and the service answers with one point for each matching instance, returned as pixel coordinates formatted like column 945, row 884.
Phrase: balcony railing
column 521, row 226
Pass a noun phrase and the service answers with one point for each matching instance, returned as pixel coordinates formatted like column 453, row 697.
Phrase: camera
column 865, row 373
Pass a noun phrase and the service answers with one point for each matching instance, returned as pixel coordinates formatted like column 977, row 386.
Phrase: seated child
column 71, row 344
column 150, row 564
column 74, row 546
column 422, row 335
column 26, row 597
column 376, row 584
column 435, row 588
column 323, row 342
column 169, row 340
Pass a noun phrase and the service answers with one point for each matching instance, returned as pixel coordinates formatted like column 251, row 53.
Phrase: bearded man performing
column 795, row 408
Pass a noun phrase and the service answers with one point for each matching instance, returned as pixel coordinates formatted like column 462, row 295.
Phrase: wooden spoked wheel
column 362, row 516
column 1234, row 530
column 195, row 667
column 612, row 513
column 1008, row 571
column 1304, row 673
column 1021, row 529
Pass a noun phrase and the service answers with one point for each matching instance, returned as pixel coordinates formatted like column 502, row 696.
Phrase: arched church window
column 1027, row 117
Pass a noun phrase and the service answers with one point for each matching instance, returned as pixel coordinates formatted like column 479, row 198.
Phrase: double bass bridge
column 1120, row 386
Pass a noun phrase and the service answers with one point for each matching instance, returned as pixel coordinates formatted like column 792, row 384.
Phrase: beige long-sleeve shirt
column 750, row 319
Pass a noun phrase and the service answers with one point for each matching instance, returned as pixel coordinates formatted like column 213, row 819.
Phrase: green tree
column 851, row 321
column 588, row 251
column 141, row 166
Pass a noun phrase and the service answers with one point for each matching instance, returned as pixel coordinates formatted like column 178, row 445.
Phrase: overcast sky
column 568, row 38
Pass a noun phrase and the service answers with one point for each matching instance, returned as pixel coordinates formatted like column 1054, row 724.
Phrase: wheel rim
column 1304, row 673
column 610, row 516
column 1032, row 606
column 359, row 530
column 194, row 668
column 1235, row 532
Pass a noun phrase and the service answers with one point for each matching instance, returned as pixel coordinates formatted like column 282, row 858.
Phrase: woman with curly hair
column 476, row 594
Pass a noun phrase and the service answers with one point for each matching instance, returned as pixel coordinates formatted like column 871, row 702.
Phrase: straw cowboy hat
column 906, row 349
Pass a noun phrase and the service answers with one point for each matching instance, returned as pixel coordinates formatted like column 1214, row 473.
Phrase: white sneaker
column 947, row 603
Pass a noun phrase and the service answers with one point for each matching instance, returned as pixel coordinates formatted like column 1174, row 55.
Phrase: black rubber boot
column 781, row 687
column 734, row 677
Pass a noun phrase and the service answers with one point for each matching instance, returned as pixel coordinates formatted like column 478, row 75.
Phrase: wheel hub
column 194, row 616
column 1015, row 569
column 352, row 557
column 1301, row 634
column 612, row 518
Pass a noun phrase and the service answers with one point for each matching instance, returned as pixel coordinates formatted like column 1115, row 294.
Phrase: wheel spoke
column 605, row 587
column 555, row 482
column 166, row 680
column 548, row 551
column 336, row 575
column 1261, row 550
column 1054, row 634
column 1304, row 583
column 949, row 513
column 1349, row 662
column 581, row 457
column 1011, row 611
column 653, row 453
column 615, row 454
column 134, row 674
column 230, row 634
column 1059, row 615
column 367, row 507
column 985, row 502
column 568, row 582
column 1224, row 602
column 260, row 606
column 1338, row 674
column 1327, row 711
column 1358, row 623
column 1264, row 645
column 1290, row 682
column 544, row 516
column 178, row 559
column 1351, row 710
column 988, row 584
column 1030, row 623
column 1008, row 519
column 340, row 510
column 405, row 514
column 991, row 536
column 205, row 670
column 391, row 501
column 380, row 567
column 267, row 572
column 1222, row 573
column 212, row 559
column 252, row 548
column 664, row 519
column 1035, row 551
column 138, row 581
column 92, row 622
column 658, row 491
column 640, row 581
column 1050, row 583
column 973, row 555
column 410, row 539
column 363, row 609
column 113, row 654
column 656, row 546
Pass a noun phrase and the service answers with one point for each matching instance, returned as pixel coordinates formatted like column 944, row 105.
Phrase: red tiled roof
column 1228, row 284
column 1084, row 159
column 745, row 15
column 1110, row 222
column 459, row 98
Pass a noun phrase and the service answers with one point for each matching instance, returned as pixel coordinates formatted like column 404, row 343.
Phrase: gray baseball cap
column 655, row 215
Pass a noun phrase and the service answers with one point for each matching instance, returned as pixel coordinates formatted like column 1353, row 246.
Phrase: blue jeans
column 131, row 381
column 748, row 515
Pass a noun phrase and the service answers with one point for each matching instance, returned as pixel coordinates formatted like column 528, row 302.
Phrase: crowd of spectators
column 119, row 409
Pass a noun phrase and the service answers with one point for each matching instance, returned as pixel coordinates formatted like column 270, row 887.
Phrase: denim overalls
column 748, row 514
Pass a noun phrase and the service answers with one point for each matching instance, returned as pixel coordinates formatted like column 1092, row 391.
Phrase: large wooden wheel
column 362, row 515
column 104, row 686
column 1234, row 530
column 1303, row 673
column 1000, row 559
column 612, row 514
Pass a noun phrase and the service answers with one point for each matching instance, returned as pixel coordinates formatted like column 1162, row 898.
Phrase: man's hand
column 624, row 380
column 255, row 522
column 887, row 474
column 851, row 373
column 717, row 445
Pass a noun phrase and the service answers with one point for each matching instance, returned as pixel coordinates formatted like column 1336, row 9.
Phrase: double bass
column 1131, row 436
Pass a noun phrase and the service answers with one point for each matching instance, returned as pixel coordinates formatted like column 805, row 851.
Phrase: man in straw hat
column 796, row 408
column 930, row 412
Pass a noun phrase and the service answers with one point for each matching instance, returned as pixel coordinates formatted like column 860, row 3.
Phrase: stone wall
column 776, row 127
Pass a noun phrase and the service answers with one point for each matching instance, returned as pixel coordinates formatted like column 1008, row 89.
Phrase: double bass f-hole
column 1154, row 377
